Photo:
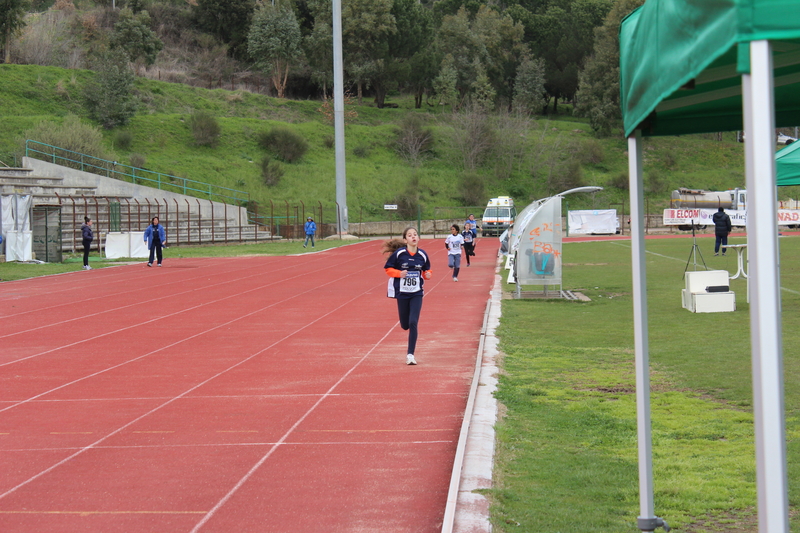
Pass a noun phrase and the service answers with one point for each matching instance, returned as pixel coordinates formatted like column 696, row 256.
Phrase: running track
column 258, row 394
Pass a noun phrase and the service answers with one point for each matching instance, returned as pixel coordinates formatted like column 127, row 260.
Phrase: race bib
column 412, row 282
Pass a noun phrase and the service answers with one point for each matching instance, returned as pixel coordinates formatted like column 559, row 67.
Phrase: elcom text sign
column 390, row 207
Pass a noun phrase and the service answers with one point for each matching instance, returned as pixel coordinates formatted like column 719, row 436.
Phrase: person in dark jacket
column 88, row 236
column 722, row 227
column 155, row 237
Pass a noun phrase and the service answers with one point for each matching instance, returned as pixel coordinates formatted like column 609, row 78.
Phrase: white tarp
column 592, row 222
column 125, row 245
column 538, row 258
column 19, row 246
column 15, row 211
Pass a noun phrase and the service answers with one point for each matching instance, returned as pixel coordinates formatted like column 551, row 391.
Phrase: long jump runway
column 257, row 394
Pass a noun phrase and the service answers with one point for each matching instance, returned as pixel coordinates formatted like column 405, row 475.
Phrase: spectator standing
column 310, row 228
column 156, row 238
column 87, row 235
column 722, row 227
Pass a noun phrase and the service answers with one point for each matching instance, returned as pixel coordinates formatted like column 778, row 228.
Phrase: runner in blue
column 408, row 267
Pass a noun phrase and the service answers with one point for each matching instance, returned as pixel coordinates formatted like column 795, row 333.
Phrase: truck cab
column 498, row 216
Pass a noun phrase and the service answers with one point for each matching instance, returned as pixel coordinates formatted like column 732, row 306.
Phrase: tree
column 445, row 85
column 227, row 20
column 598, row 95
column 563, row 37
column 366, row 26
column 318, row 46
column 12, row 20
column 483, row 92
column 110, row 98
column 132, row 34
column 529, row 91
column 274, row 43
column 503, row 40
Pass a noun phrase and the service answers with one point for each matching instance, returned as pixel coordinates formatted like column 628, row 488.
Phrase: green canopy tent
column 787, row 165
column 692, row 66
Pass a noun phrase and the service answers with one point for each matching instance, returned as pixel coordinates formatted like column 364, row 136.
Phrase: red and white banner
column 702, row 217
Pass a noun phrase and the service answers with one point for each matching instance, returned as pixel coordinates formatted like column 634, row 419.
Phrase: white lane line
column 195, row 387
column 89, row 339
column 285, row 436
column 185, row 339
column 283, row 439
column 140, row 302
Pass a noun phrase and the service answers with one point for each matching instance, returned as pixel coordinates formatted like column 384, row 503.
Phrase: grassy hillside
column 531, row 158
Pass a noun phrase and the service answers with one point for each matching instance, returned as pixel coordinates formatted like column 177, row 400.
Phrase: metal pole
column 647, row 520
column 765, row 306
column 338, row 116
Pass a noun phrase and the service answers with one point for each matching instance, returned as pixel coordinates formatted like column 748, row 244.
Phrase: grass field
column 566, row 459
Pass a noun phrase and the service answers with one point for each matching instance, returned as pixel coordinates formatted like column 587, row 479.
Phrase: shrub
column 205, row 128
column 271, row 171
column 72, row 135
column 620, row 182
column 656, row 182
column 472, row 189
column 110, row 98
column 361, row 151
column 413, row 141
column 592, row 152
column 123, row 140
column 287, row 145
column 138, row 160
column 329, row 141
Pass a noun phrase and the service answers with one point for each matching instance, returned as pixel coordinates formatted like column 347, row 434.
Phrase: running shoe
column 410, row 359
column 455, row 279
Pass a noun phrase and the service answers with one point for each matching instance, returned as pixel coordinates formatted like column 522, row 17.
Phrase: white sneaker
column 410, row 359
column 455, row 279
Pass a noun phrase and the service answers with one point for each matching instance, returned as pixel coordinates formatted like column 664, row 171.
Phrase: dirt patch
column 744, row 522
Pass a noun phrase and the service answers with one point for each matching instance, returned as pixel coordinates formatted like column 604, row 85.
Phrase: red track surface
column 234, row 395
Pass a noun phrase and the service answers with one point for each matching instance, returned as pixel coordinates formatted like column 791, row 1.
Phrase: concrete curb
column 472, row 509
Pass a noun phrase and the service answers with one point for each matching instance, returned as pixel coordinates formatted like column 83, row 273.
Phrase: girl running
column 469, row 240
column 408, row 267
column 453, row 245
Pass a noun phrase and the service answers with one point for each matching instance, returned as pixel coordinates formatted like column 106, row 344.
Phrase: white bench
column 698, row 299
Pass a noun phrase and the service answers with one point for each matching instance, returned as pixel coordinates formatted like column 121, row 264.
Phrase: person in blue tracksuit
column 310, row 228
column 156, row 238
column 408, row 267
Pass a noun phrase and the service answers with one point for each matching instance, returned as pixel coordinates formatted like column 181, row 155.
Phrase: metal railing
column 137, row 176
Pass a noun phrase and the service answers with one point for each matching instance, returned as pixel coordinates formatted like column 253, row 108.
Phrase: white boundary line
column 466, row 510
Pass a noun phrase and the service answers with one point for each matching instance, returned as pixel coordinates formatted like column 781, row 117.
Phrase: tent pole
column 765, row 314
column 648, row 521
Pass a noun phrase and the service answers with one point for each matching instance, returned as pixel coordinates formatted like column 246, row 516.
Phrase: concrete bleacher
column 188, row 219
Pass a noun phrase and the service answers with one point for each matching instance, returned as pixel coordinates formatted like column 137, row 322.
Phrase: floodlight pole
column 765, row 306
column 338, row 115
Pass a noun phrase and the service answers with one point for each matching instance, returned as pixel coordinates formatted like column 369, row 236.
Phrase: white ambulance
column 498, row 216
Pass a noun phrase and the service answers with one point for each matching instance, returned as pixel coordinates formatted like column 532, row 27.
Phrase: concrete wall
column 111, row 187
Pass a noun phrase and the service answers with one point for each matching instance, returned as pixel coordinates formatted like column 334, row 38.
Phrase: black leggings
column 409, row 310
column 155, row 250
column 87, row 244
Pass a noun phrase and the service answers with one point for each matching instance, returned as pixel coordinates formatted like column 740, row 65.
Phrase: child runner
column 408, row 267
column 453, row 245
column 469, row 238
